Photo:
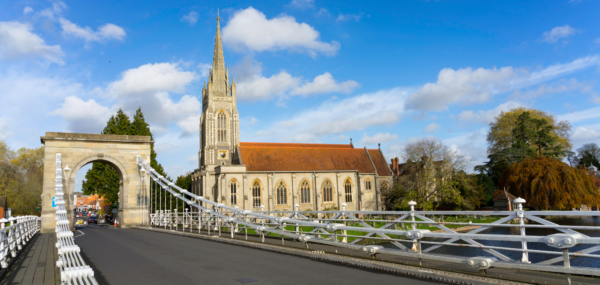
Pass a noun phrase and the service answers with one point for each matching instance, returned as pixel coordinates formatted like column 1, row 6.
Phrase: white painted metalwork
column 73, row 269
column 15, row 236
column 332, row 227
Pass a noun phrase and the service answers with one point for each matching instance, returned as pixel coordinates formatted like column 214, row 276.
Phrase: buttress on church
column 249, row 175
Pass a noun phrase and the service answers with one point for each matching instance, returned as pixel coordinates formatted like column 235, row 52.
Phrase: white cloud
column 252, row 121
column 302, row 4
column 334, row 117
column 151, row 78
column 578, row 116
column 191, row 18
column 82, row 116
column 563, row 86
column 5, row 131
column 472, row 146
column 431, row 128
column 597, row 41
column 469, row 86
column 204, row 69
column 586, row 134
column 377, row 138
column 17, row 41
column 104, row 33
column 323, row 12
column 486, row 117
column 252, row 85
column 252, row 30
column 557, row 33
column 325, row 84
column 27, row 10
column 349, row 17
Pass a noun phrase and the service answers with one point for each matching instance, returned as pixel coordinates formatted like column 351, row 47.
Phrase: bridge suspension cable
column 332, row 228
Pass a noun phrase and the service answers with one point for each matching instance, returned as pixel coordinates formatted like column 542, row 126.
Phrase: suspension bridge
column 156, row 241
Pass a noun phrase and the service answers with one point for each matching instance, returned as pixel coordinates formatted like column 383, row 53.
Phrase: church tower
column 219, row 123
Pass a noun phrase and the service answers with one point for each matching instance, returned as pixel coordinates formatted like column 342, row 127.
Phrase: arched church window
column 327, row 192
column 222, row 127
column 348, row 191
column 256, row 194
column 233, row 187
column 281, row 193
column 368, row 184
column 304, row 192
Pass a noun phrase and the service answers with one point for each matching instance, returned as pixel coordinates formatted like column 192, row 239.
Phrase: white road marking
column 82, row 233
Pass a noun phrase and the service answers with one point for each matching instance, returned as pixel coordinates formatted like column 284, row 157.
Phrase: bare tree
column 428, row 171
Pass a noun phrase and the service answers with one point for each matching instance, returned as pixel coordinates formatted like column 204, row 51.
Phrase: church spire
column 219, row 77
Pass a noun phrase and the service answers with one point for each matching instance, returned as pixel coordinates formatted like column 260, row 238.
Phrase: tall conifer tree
column 103, row 179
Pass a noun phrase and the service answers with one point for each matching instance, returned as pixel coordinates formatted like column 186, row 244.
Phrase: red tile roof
column 379, row 161
column 298, row 145
column 308, row 157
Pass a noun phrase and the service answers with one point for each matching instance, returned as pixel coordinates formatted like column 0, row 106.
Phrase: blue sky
column 306, row 71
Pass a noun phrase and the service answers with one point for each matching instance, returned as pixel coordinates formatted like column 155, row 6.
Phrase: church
column 276, row 176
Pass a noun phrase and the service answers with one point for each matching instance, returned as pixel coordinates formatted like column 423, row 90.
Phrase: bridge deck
column 131, row 256
column 35, row 265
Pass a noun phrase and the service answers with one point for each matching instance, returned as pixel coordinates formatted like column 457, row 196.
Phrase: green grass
column 407, row 226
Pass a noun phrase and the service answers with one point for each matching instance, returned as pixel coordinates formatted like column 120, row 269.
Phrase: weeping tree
column 547, row 183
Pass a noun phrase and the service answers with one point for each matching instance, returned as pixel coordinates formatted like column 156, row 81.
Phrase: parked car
column 92, row 220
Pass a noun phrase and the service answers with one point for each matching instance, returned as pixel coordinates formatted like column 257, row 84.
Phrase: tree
column 588, row 154
column 500, row 135
column 534, row 136
column 428, row 172
column 488, row 187
column 500, row 161
column 469, row 193
column 547, row 183
column 21, row 178
column 103, row 179
column 530, row 138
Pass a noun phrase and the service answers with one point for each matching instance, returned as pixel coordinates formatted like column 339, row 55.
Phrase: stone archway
column 78, row 150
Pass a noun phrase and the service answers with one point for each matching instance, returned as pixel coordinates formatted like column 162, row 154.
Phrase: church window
column 348, row 191
column 281, row 193
column 304, row 192
column 256, row 195
column 327, row 192
column 384, row 190
column 368, row 184
column 233, row 187
column 222, row 127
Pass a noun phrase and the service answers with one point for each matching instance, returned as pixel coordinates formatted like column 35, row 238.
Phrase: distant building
column 503, row 201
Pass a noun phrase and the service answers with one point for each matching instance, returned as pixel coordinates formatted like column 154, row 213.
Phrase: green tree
column 500, row 135
column 21, row 178
column 488, row 186
column 535, row 137
column 103, row 179
column 500, row 161
column 547, row 183
column 588, row 154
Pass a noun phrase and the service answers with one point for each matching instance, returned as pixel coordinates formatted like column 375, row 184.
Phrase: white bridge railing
column 345, row 229
column 73, row 269
column 14, row 237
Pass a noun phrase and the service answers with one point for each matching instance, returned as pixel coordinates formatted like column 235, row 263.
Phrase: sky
column 306, row 70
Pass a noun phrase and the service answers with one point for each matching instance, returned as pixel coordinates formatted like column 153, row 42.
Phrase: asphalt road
column 129, row 256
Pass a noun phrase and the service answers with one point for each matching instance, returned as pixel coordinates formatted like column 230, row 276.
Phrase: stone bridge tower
column 219, row 123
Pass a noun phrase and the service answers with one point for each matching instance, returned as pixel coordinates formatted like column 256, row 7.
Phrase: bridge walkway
column 36, row 265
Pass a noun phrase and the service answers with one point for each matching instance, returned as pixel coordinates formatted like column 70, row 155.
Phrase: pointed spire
column 218, row 67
